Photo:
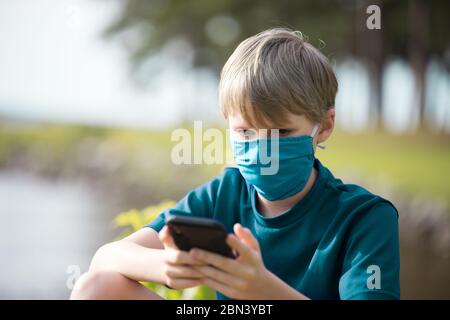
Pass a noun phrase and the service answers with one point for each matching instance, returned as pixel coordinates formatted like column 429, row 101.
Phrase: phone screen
column 203, row 233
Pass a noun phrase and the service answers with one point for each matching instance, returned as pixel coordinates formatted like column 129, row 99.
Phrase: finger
column 223, row 263
column 179, row 271
column 221, row 276
column 222, row 288
column 166, row 238
column 184, row 283
column 247, row 236
column 163, row 233
column 178, row 257
column 243, row 249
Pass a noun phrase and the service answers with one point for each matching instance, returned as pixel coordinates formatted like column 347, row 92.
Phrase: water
column 46, row 226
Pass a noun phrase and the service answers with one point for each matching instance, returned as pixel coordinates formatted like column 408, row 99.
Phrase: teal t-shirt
column 338, row 242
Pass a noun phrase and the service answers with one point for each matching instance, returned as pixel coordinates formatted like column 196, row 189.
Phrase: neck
column 274, row 208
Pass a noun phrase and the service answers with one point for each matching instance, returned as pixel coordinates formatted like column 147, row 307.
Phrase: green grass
column 417, row 163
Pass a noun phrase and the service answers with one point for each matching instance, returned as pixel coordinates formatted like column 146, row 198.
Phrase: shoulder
column 367, row 215
column 357, row 197
column 358, row 203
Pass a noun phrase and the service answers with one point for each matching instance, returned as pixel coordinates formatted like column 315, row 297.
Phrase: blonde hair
column 274, row 73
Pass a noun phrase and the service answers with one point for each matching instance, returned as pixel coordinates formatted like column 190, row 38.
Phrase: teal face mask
column 277, row 167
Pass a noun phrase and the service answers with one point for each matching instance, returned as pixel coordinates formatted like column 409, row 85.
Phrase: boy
column 300, row 233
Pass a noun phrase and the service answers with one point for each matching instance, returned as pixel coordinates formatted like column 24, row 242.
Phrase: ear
column 326, row 126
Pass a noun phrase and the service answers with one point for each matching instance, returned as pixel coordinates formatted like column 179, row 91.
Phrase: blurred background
column 90, row 91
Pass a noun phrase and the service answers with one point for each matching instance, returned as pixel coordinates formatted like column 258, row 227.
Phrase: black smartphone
column 195, row 232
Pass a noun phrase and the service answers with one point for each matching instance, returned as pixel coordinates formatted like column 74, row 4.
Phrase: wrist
column 267, row 285
column 275, row 288
column 155, row 267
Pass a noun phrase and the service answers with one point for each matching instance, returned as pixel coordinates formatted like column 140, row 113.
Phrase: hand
column 178, row 264
column 242, row 278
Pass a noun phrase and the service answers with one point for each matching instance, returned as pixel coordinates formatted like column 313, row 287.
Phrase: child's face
column 297, row 125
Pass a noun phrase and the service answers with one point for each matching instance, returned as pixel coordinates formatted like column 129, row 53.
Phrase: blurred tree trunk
column 376, row 53
column 418, row 17
column 370, row 45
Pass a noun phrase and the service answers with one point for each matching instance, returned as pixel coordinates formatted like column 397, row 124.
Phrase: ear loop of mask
column 313, row 133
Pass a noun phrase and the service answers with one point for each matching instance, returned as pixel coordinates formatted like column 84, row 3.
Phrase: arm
column 133, row 256
column 371, row 263
column 148, row 256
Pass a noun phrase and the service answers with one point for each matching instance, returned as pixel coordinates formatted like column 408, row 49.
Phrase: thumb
column 246, row 236
column 166, row 238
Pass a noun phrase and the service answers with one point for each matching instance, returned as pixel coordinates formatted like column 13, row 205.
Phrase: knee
column 99, row 284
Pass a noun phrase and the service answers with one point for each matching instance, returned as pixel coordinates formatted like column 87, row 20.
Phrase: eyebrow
column 287, row 129
column 242, row 127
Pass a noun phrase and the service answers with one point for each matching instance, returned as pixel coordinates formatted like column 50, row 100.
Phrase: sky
column 55, row 66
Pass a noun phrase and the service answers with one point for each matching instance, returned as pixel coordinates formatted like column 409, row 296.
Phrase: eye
column 284, row 132
column 245, row 133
